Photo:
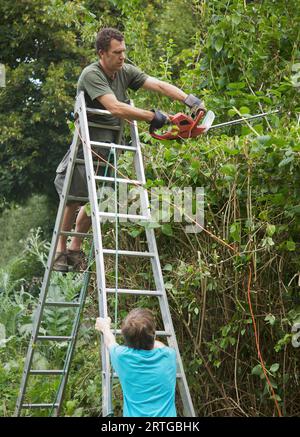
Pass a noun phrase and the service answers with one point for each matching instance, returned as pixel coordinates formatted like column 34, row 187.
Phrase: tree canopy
column 204, row 47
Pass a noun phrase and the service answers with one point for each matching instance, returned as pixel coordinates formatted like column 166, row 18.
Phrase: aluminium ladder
column 81, row 135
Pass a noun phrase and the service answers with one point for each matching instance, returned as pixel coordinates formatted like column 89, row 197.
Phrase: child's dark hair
column 138, row 329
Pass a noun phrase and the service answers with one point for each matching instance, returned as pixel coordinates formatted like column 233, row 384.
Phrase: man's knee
column 71, row 208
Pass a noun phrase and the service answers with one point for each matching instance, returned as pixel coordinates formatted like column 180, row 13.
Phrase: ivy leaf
column 244, row 110
column 236, row 19
column 286, row 161
column 291, row 246
column 235, row 230
column 274, row 367
column 167, row 229
column 257, row 370
column 168, row 267
column 228, row 169
column 135, row 232
column 236, row 85
column 270, row 230
column 219, row 44
column 270, row 319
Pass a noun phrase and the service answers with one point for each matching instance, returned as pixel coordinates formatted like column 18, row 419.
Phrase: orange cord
column 257, row 342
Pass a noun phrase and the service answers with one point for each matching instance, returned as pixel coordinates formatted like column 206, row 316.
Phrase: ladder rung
column 129, row 253
column 98, row 111
column 119, row 180
column 98, row 163
column 62, row 304
column 158, row 333
column 40, row 405
column 55, row 337
column 119, row 215
column 138, row 292
column 76, row 234
column 47, row 372
column 78, row 199
column 110, row 145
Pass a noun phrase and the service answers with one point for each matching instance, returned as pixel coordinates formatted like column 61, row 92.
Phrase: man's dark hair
column 138, row 329
column 105, row 36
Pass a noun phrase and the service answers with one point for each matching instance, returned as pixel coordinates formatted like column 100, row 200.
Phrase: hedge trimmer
column 183, row 126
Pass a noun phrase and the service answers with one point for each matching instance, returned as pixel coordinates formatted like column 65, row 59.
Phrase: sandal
column 61, row 262
column 76, row 260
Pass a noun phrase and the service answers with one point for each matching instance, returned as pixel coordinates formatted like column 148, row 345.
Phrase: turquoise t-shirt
column 148, row 380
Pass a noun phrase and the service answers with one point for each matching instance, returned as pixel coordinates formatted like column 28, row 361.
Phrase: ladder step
column 98, row 112
column 47, row 372
column 76, row 234
column 160, row 333
column 127, row 216
column 78, row 199
column 137, row 292
column 110, row 145
column 40, row 405
column 98, row 163
column 119, row 180
column 62, row 304
column 128, row 253
column 55, row 337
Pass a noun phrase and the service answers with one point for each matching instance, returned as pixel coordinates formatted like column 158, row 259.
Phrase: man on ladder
column 104, row 84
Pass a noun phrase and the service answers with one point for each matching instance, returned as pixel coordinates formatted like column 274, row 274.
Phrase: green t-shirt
column 95, row 83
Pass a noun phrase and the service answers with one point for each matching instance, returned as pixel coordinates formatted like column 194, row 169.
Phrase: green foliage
column 242, row 57
column 17, row 222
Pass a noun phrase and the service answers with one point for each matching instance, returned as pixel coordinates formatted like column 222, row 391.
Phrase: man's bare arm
column 122, row 110
column 169, row 90
column 175, row 93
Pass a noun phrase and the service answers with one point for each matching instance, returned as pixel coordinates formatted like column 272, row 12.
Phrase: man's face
column 114, row 57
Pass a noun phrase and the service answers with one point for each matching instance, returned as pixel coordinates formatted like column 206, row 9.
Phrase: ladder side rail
column 119, row 140
column 72, row 344
column 120, row 133
column 168, row 323
column 101, row 283
column 46, row 278
column 139, row 169
column 152, row 247
column 158, row 278
column 159, row 282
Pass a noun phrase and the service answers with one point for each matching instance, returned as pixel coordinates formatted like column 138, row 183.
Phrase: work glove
column 194, row 104
column 159, row 120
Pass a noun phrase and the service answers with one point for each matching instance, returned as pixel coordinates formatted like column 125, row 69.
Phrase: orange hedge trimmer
column 184, row 126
